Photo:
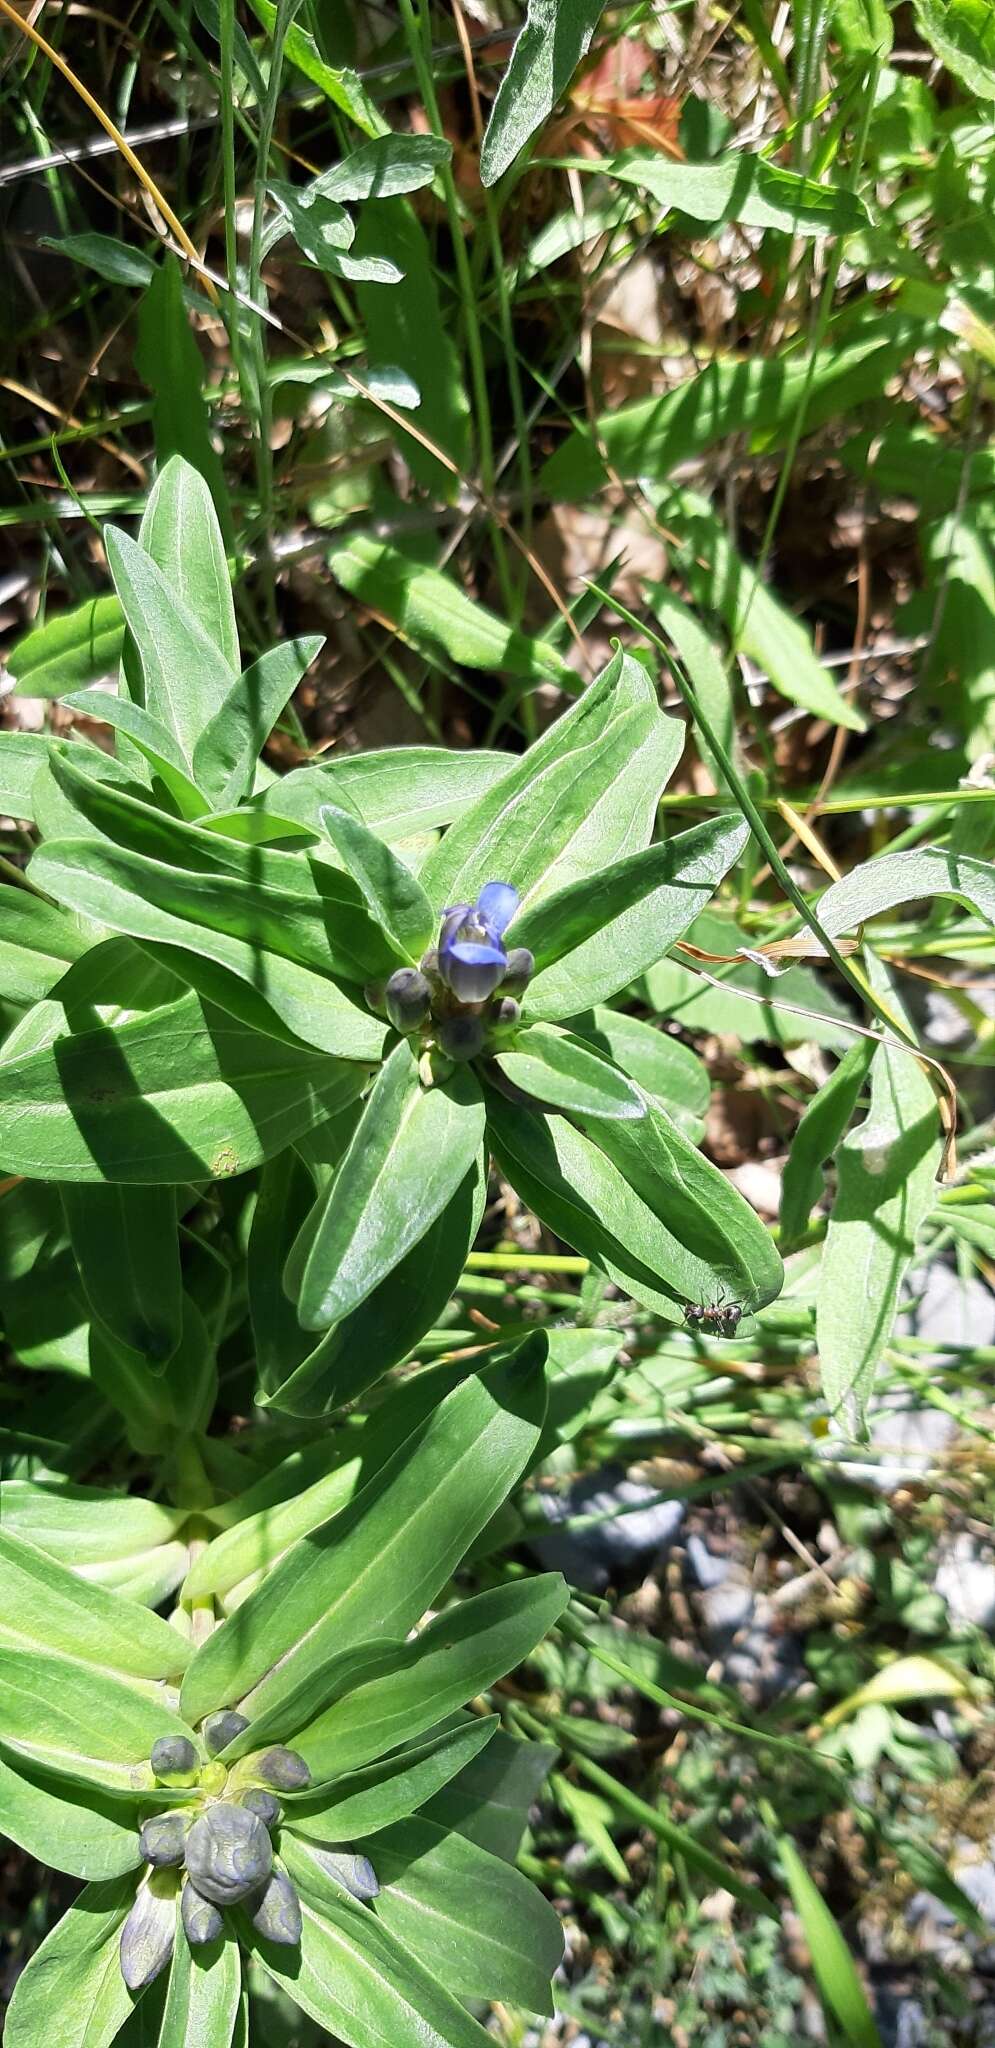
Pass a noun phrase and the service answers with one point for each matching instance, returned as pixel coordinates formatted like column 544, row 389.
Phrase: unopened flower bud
column 220, row 1729
column 174, row 1760
column 266, row 1804
column 202, row 1921
column 149, row 1931
column 462, row 1038
column 429, row 964
column 521, row 968
column 163, row 1838
column 373, row 995
column 408, row 997
column 278, row 1914
column 284, row 1769
column 505, row 1014
column 355, row 1874
column 229, row 1853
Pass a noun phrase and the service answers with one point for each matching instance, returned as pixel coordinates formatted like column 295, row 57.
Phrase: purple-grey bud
column 462, row 1038
column 220, row 1729
column 163, row 1838
column 148, row 1933
column 266, row 1804
column 505, row 1014
column 202, row 1921
column 521, row 967
column 408, row 997
column 284, row 1769
column 278, row 1914
column 373, row 995
column 355, row 1874
column 229, row 1853
column 174, row 1760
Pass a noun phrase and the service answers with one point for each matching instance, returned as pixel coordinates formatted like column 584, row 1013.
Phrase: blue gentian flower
column 472, row 955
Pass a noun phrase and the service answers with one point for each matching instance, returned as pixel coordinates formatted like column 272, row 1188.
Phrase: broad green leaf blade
column 22, row 755
column 111, row 259
column 72, row 1994
column 153, row 740
column 709, row 670
column 562, row 1072
column 37, row 944
column 664, row 1067
column 205, row 1991
column 180, row 531
column 490, row 1799
column 840, row 1989
column 460, row 1653
column 362, row 1802
column 397, row 791
column 68, row 651
column 342, row 87
column 225, row 755
column 557, row 34
column 642, row 1203
column 69, row 1826
column 594, row 938
column 85, row 1525
column 371, row 1572
column 412, row 1149
column 169, row 361
column 176, row 1094
column 128, row 1253
column 962, row 33
column 651, row 437
column 186, row 678
column 356, row 1980
column 886, row 1186
column 409, row 324
column 817, row 1138
column 442, row 1895
column 743, row 188
column 923, row 872
column 394, row 898
column 725, row 586
column 44, row 1605
column 761, row 1015
column 430, row 611
column 304, row 1378
column 78, row 1721
column 387, row 165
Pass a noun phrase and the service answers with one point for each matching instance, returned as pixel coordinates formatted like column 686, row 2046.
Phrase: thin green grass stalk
column 416, row 28
column 226, row 35
column 285, row 13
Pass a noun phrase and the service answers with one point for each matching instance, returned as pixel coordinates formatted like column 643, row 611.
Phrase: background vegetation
column 698, row 350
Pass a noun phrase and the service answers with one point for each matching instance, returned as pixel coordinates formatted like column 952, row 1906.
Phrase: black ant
column 715, row 1319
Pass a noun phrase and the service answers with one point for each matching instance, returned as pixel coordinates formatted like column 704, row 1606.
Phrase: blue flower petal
column 497, row 903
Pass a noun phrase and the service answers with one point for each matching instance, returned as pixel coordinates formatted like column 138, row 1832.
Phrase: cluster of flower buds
column 214, row 1852
column 466, row 988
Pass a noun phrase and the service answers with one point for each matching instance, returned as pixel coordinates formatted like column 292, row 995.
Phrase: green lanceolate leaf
column 180, row 531
column 561, row 1071
column 387, row 165
column 153, row 740
column 642, row 1203
column 461, row 1652
column 396, row 791
column 926, row 871
column 185, row 676
column 490, row 1799
column 557, row 34
column 435, row 615
column 80, row 1722
column 128, row 1254
column 394, row 898
column 372, row 1571
column 357, row 1981
column 442, row 1895
column 816, row 1140
column 45, row 1606
column 592, row 939
column 744, row 188
column 168, row 359
column 72, row 1994
column 833, row 1967
column 75, row 648
column 37, row 944
column 204, row 1994
column 171, row 1095
column 412, row 1149
column 84, row 1525
column 22, row 754
column 886, row 1186
column 663, row 1067
column 67, row 1825
column 362, row 1802
column 225, row 755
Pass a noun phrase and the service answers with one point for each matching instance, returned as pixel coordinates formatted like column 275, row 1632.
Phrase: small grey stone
column 623, row 1533
column 965, row 1579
